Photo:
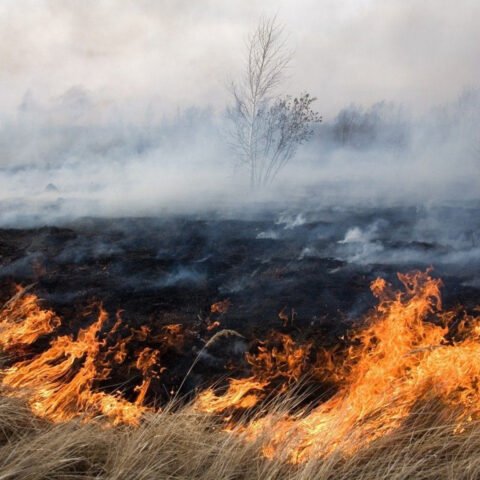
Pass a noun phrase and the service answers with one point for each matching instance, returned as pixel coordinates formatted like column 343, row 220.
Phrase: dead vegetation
column 183, row 444
column 405, row 403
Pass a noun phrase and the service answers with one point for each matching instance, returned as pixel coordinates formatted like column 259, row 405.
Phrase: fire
column 274, row 368
column 241, row 393
column 401, row 356
column 220, row 307
column 61, row 382
column 146, row 363
column 23, row 321
column 407, row 352
column 284, row 360
column 384, row 374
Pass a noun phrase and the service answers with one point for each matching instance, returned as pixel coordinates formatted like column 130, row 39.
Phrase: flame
column 405, row 352
column 23, row 321
column 213, row 325
column 220, row 307
column 241, row 393
column 285, row 360
column 146, row 363
column 285, row 363
column 399, row 357
column 61, row 382
column 385, row 373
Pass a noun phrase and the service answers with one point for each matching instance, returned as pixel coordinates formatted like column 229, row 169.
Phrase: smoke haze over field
column 236, row 206
column 119, row 109
column 179, row 53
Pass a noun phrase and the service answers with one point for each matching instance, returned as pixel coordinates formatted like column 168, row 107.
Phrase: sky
column 175, row 54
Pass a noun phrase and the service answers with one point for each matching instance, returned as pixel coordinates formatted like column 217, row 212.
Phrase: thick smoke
column 76, row 157
column 115, row 112
column 385, row 154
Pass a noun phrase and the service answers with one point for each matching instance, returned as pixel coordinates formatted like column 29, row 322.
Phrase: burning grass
column 403, row 402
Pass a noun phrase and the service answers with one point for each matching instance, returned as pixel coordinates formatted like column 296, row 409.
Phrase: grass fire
column 405, row 372
column 239, row 240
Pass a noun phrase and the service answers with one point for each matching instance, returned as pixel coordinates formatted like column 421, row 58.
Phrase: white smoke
column 120, row 111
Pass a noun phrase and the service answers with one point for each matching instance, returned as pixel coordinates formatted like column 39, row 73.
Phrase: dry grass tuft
column 182, row 444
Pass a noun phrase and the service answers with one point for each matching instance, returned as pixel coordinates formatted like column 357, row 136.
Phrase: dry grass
column 185, row 445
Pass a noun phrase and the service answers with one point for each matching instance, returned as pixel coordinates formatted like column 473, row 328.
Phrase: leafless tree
column 268, row 126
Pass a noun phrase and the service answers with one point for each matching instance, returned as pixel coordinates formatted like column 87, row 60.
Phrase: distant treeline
column 77, row 127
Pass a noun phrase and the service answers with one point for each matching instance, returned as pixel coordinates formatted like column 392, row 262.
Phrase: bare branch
column 266, row 127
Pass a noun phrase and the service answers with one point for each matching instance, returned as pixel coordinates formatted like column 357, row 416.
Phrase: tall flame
column 56, row 390
column 400, row 357
column 61, row 382
column 23, row 320
column 405, row 352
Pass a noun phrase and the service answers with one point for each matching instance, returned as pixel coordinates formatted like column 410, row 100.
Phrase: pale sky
column 174, row 54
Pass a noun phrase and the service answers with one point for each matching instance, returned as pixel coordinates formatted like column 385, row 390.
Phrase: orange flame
column 23, row 321
column 399, row 357
column 241, row 393
column 406, row 351
column 146, row 362
column 61, row 382
column 220, row 307
column 285, row 360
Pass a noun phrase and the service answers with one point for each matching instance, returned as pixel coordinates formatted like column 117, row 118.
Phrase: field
column 311, row 344
column 186, row 445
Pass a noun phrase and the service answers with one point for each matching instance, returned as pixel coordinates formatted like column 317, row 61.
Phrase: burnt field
column 301, row 343
column 317, row 263
column 302, row 273
column 240, row 240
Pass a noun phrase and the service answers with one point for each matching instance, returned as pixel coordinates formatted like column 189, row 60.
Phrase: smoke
column 76, row 157
column 384, row 154
column 175, row 54
column 120, row 111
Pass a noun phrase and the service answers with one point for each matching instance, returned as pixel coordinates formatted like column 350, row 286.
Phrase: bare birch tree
column 267, row 126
